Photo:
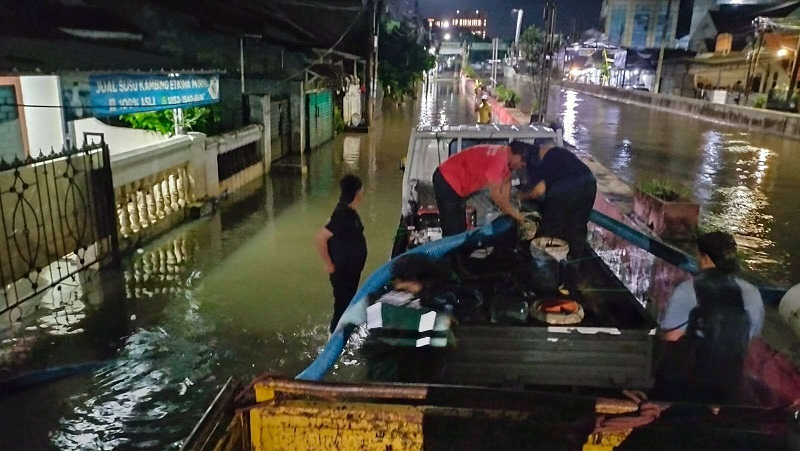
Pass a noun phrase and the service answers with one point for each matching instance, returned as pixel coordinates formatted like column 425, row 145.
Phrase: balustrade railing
column 149, row 201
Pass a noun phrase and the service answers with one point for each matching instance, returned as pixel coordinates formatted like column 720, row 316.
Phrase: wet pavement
column 243, row 293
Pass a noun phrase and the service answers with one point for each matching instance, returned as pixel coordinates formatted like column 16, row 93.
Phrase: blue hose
column 28, row 380
column 356, row 312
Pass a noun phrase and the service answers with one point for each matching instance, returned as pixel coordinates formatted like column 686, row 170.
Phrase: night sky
column 503, row 24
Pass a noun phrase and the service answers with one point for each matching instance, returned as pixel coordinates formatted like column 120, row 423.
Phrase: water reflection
column 745, row 182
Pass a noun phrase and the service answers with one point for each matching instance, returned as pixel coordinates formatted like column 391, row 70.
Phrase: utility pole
column 241, row 54
column 760, row 26
column 667, row 25
column 795, row 66
column 546, row 62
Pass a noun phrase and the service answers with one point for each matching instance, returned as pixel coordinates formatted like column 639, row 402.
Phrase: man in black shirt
column 569, row 189
column 342, row 246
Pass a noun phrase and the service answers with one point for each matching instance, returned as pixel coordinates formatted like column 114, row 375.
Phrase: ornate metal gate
column 57, row 219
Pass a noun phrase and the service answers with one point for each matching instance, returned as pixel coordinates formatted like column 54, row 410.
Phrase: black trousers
column 566, row 216
column 345, row 285
column 452, row 207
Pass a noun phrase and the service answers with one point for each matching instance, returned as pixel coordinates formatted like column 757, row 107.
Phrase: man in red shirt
column 470, row 171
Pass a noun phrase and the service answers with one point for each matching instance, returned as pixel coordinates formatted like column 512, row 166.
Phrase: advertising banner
column 115, row 94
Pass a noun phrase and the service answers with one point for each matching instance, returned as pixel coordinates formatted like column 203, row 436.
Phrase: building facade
column 640, row 24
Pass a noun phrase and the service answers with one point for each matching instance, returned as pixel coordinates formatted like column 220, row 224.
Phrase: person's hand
column 330, row 267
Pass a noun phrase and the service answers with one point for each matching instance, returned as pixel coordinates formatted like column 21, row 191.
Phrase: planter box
column 675, row 220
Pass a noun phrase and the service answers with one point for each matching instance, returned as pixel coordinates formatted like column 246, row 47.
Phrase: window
column 641, row 25
column 11, row 144
column 616, row 31
column 662, row 23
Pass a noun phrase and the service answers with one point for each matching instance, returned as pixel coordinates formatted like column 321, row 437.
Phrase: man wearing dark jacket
column 569, row 190
column 342, row 246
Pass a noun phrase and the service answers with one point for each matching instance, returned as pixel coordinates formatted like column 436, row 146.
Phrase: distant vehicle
column 639, row 88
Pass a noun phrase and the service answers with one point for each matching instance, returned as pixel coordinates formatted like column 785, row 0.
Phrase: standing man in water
column 484, row 110
column 342, row 246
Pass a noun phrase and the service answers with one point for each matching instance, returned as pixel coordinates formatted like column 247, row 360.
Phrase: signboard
column 112, row 95
column 115, row 94
column 486, row 46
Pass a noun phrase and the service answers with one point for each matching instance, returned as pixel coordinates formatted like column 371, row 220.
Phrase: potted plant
column 666, row 208
column 506, row 96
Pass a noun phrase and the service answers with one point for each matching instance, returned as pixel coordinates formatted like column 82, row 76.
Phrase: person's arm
column 321, row 240
column 501, row 195
column 537, row 191
column 676, row 314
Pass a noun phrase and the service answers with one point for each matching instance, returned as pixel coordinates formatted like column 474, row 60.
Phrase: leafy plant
column 666, row 190
column 201, row 119
column 507, row 96
column 338, row 120
column 470, row 72
column 760, row 102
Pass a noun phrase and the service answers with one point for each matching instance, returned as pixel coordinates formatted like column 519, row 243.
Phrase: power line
column 318, row 5
column 327, row 52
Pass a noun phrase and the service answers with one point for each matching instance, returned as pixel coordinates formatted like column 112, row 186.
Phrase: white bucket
column 554, row 247
column 789, row 308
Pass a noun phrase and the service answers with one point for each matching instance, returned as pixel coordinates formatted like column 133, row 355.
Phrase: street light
column 445, row 25
column 519, row 27
column 447, row 36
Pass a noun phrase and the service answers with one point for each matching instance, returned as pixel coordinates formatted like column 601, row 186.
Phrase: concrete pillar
column 302, row 117
column 260, row 114
column 203, row 168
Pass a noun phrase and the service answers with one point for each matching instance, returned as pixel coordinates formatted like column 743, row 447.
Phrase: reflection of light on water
column 623, row 158
column 761, row 164
column 711, row 162
column 161, row 270
column 139, row 390
column 570, row 116
column 351, row 153
column 427, row 108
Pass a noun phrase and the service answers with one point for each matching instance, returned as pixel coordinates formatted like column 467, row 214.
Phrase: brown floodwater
column 243, row 292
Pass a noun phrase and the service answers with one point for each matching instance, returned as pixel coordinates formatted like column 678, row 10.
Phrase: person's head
column 518, row 156
column 352, row 191
column 415, row 272
column 484, row 98
column 717, row 250
column 545, row 145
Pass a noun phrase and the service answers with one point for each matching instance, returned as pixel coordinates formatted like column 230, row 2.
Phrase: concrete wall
column 231, row 103
column 119, row 139
column 760, row 120
column 45, row 125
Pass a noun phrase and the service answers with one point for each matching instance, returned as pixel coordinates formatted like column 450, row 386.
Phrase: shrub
column 760, row 102
column 666, row 190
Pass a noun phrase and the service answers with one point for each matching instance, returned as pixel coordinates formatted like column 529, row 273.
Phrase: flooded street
column 243, row 293
column 238, row 294
column 745, row 182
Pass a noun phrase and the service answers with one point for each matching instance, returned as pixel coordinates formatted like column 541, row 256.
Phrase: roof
column 738, row 19
column 485, row 131
column 50, row 19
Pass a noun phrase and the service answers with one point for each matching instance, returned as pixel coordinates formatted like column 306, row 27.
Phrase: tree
column 403, row 59
column 531, row 44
